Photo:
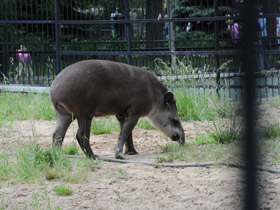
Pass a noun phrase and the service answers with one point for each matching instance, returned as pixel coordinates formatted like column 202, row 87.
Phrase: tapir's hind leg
column 64, row 119
column 83, row 135
column 129, row 147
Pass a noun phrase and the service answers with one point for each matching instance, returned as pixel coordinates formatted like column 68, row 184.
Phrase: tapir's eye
column 175, row 122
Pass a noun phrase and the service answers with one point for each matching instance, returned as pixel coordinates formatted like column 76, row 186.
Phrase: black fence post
column 217, row 47
column 249, row 31
column 57, row 42
column 127, row 31
column 171, row 39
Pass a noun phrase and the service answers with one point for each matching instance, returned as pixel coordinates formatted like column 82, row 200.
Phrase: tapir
column 94, row 88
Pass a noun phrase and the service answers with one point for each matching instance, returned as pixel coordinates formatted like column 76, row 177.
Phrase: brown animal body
column 93, row 88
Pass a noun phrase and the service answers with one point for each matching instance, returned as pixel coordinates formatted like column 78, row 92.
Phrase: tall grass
column 35, row 164
column 17, row 106
column 196, row 98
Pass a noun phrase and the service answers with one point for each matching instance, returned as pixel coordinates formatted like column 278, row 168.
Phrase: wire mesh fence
column 56, row 33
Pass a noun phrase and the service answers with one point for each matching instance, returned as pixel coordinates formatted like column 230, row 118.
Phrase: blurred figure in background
column 24, row 70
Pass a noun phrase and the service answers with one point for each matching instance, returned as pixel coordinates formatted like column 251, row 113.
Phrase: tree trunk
column 154, row 31
column 271, row 6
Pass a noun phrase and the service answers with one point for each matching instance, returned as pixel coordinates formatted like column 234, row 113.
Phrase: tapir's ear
column 168, row 97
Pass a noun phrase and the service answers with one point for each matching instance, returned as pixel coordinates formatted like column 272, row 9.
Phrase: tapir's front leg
column 129, row 147
column 127, row 126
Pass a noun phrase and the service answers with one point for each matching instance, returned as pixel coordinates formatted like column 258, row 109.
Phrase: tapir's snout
column 179, row 137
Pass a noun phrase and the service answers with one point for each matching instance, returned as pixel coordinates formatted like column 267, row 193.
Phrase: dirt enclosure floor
column 142, row 186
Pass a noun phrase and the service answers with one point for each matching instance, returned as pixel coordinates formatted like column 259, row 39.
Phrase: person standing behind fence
column 262, row 40
column 234, row 30
column 24, row 70
column 278, row 28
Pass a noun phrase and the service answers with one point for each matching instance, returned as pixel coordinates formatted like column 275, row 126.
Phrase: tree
column 271, row 6
column 154, row 31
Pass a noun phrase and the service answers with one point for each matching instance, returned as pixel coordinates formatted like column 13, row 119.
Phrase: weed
column 63, row 190
column 104, row 125
column 2, row 206
column 173, row 152
column 16, row 106
column 275, row 102
column 225, row 133
column 35, row 203
column 120, row 198
column 32, row 164
column 203, row 139
column 122, row 174
column 51, row 173
column 270, row 130
column 144, row 124
column 41, row 201
column 71, row 150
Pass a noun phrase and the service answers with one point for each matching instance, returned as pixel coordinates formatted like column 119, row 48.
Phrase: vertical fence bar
column 217, row 46
column 57, row 43
column 127, row 30
column 249, row 31
column 171, row 39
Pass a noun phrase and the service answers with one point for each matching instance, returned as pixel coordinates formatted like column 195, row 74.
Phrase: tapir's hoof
column 92, row 156
column 118, row 155
column 131, row 152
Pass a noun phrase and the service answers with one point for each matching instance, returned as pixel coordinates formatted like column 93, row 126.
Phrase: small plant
column 71, row 150
column 270, row 130
column 2, row 206
column 225, row 133
column 120, row 198
column 172, row 151
column 144, row 124
column 51, row 173
column 104, row 125
column 63, row 190
column 34, row 164
column 203, row 139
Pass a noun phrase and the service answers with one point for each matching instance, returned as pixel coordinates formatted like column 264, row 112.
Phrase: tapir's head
column 165, row 117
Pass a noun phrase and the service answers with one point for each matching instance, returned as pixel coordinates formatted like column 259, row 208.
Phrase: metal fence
column 57, row 33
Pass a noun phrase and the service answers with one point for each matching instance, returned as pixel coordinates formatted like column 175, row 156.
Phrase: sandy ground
column 141, row 187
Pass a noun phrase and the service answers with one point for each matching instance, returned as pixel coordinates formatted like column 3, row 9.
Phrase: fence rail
column 58, row 33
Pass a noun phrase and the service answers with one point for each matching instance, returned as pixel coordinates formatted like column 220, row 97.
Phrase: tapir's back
column 104, row 87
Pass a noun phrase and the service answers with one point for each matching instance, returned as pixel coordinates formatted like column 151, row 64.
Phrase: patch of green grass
column 17, row 106
column 275, row 101
column 270, row 130
column 34, row 164
column 101, row 125
column 63, row 190
column 203, row 139
column 225, row 133
column 122, row 174
column 73, row 149
column 144, row 124
column 203, row 149
column 193, row 105
column 270, row 151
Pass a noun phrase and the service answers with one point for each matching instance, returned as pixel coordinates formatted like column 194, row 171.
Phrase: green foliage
column 103, row 125
column 34, row 164
column 63, row 190
column 144, row 124
column 270, row 130
column 17, row 106
column 203, row 139
column 202, row 149
column 71, row 150
column 226, row 132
